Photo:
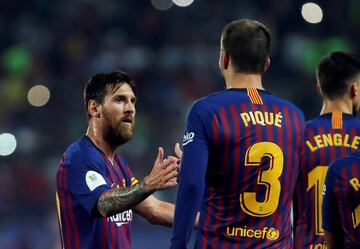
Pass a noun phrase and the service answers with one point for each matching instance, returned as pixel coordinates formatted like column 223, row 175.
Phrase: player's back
column 342, row 200
column 327, row 137
column 255, row 141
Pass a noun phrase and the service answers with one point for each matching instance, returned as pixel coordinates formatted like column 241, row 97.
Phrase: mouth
column 127, row 120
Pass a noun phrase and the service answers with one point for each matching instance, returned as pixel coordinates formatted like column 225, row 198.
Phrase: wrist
column 147, row 185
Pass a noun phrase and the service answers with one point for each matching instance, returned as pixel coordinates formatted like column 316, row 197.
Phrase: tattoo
column 118, row 200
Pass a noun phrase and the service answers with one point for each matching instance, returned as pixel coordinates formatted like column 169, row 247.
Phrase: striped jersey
column 241, row 153
column 341, row 206
column 83, row 175
column 327, row 137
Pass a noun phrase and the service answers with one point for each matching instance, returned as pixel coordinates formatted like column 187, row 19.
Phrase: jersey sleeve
column 192, row 176
column 87, row 180
column 330, row 206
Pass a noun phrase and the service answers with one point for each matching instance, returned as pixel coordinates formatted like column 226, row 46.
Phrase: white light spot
column 162, row 4
column 183, row 3
column 7, row 144
column 38, row 95
column 312, row 13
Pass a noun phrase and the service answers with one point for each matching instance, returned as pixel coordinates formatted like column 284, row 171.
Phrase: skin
column 349, row 103
column 111, row 124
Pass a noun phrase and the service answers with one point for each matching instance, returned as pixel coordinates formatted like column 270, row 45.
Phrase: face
column 118, row 115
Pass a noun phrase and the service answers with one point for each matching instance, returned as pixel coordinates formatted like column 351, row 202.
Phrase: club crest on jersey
column 93, row 180
column 188, row 138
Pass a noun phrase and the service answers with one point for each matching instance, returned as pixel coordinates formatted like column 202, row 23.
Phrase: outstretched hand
column 164, row 172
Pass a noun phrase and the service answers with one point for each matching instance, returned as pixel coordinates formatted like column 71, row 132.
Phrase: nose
column 129, row 107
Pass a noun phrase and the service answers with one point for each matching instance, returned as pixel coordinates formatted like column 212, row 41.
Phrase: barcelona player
column 240, row 153
column 341, row 205
column 96, row 190
column 334, row 134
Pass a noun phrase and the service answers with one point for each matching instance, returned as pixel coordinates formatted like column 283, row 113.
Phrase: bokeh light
column 7, row 144
column 38, row 95
column 312, row 13
column 183, row 3
column 162, row 4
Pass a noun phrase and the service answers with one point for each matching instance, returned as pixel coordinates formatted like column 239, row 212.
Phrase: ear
column 354, row 88
column 318, row 89
column 226, row 60
column 267, row 64
column 93, row 109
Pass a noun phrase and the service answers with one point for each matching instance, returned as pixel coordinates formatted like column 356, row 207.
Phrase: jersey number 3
column 268, row 178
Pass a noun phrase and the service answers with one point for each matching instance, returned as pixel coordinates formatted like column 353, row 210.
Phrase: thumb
column 160, row 156
column 178, row 151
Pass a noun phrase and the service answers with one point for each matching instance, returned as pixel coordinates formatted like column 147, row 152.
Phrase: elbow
column 102, row 208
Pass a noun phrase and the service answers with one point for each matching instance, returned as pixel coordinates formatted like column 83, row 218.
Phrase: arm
column 191, row 181
column 156, row 211
column 159, row 212
column 163, row 175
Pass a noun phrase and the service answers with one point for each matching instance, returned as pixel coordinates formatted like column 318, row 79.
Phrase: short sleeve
column 87, row 180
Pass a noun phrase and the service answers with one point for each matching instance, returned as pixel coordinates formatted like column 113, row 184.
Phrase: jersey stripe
column 337, row 120
column 254, row 96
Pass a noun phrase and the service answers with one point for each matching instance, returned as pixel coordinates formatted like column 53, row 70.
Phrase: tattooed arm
column 163, row 175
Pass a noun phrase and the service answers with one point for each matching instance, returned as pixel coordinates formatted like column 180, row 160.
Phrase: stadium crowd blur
column 173, row 57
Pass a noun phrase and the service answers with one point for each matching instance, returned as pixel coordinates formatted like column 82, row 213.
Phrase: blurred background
column 49, row 49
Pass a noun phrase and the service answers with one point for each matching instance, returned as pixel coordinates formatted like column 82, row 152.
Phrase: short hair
column 100, row 84
column 248, row 44
column 335, row 72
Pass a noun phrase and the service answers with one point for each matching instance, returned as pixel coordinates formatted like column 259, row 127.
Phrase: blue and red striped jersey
column 241, row 153
column 83, row 175
column 341, row 205
column 327, row 137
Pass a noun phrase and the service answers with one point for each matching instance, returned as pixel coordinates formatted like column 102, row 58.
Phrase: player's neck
column 336, row 106
column 98, row 139
column 242, row 80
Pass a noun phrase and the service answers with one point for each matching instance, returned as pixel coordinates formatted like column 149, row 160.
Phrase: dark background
column 173, row 57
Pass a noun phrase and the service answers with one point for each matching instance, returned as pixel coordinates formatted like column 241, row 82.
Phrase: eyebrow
column 132, row 97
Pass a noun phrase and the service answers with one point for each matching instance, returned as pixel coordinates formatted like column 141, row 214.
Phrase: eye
column 120, row 99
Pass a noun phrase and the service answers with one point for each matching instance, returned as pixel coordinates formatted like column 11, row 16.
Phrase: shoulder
column 81, row 152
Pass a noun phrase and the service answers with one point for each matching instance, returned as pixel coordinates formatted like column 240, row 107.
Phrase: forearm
column 118, row 200
column 164, row 215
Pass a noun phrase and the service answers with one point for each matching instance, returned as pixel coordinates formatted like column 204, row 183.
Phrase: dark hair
column 100, row 84
column 248, row 44
column 335, row 73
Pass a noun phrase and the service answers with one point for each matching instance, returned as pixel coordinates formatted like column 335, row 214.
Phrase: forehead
column 120, row 89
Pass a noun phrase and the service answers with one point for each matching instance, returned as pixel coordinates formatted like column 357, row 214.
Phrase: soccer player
column 240, row 153
column 341, row 206
column 96, row 190
column 334, row 134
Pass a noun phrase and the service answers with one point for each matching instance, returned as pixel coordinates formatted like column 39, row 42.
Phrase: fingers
column 160, row 156
column 178, row 150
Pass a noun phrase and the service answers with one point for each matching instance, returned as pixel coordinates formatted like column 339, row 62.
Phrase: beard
column 120, row 133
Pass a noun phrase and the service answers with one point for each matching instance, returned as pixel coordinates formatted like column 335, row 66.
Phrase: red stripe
column 63, row 205
column 104, row 234
column 269, row 137
column 67, row 208
column 72, row 219
column 215, row 129
column 291, row 168
column 207, row 218
column 248, row 220
column 112, row 234
column 281, row 145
